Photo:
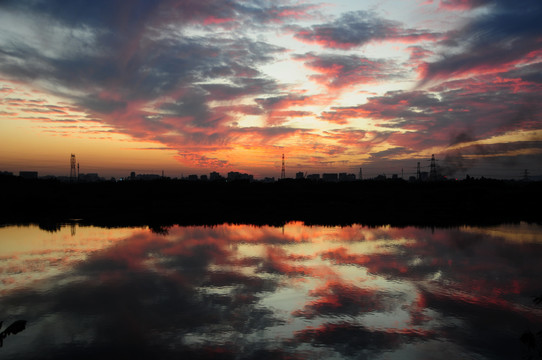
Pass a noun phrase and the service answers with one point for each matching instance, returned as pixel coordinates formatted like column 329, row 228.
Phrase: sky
column 194, row 86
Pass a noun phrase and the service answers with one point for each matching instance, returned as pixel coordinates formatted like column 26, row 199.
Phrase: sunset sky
column 193, row 86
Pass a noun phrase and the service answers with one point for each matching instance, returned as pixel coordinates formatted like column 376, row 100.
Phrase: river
column 292, row 292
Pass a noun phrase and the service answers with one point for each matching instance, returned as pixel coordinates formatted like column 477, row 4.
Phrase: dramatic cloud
column 462, row 112
column 506, row 38
column 230, row 85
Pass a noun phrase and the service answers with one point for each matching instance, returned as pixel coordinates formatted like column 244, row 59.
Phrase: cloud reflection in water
column 239, row 291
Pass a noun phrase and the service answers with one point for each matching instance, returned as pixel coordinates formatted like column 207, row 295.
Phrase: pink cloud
column 339, row 71
column 215, row 20
column 462, row 4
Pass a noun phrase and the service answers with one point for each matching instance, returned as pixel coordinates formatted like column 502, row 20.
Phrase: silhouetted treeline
column 167, row 202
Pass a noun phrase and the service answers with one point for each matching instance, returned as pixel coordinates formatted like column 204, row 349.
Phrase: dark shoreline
column 163, row 203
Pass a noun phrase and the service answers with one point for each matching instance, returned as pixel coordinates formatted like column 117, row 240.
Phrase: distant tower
column 433, row 168
column 418, row 172
column 78, row 171
column 360, row 174
column 283, row 171
column 72, row 168
column 526, row 175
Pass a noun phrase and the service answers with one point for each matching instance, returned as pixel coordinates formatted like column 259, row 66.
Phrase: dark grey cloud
column 497, row 342
column 531, row 73
column 499, row 38
column 357, row 341
column 390, row 153
column 125, row 16
column 241, row 88
column 358, row 28
column 516, row 155
column 191, row 104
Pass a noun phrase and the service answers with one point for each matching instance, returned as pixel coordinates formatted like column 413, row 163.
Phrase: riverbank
column 167, row 202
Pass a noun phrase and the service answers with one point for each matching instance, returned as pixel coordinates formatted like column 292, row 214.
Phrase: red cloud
column 216, row 20
column 337, row 298
column 277, row 260
column 341, row 256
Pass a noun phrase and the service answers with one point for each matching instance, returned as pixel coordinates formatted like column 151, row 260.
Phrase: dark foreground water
column 298, row 292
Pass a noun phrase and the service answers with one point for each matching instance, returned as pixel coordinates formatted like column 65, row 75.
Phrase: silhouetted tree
column 14, row 328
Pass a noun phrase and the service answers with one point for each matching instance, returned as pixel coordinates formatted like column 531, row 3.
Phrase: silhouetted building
column 313, row 177
column 234, row 175
column 90, row 177
column 381, row 177
column 132, row 175
column 299, row 175
column 268, row 180
column 215, row 176
column 6, row 173
column 330, row 177
column 48, row 177
column 347, row 177
column 147, row 177
column 28, row 174
column 204, row 178
column 192, row 177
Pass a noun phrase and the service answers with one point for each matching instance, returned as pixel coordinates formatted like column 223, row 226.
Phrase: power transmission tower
column 433, row 168
column 418, row 172
column 360, row 174
column 283, row 171
column 72, row 168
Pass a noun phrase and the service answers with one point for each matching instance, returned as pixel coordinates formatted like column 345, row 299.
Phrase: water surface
column 297, row 292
